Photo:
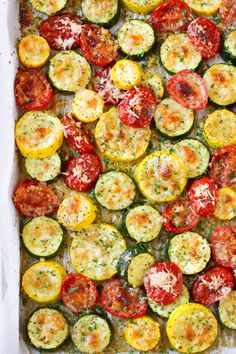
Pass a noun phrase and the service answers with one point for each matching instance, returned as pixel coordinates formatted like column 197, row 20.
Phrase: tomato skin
column 122, row 301
column 205, row 37
column 144, row 110
column 32, row 198
column 32, row 89
column 213, row 285
column 227, row 13
column 223, row 246
column 157, row 293
column 203, row 196
column 98, row 45
column 82, row 172
column 223, row 166
column 74, row 135
column 59, row 29
column 186, row 214
column 172, row 17
column 79, row 293
column 188, row 89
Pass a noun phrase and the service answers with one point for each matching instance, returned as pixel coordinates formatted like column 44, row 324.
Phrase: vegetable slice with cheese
column 190, row 251
column 44, row 169
column 38, row 134
column 115, row 190
column 34, row 51
column 47, row 329
column 154, row 82
column 220, row 128
column 119, row 142
column 77, row 212
column 48, row 7
column 102, row 12
column 204, row 8
column 229, row 47
column 69, row 71
column 87, row 105
column 126, row 74
column 42, row 281
column 162, row 184
column 227, row 310
column 226, row 204
column 42, row 236
column 141, row 6
column 142, row 333
column 95, row 251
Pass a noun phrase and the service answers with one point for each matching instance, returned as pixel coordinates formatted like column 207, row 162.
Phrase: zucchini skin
column 108, row 24
column 229, row 57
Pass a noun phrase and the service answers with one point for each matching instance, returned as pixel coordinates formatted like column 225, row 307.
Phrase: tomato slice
column 79, row 293
column 203, row 196
column 227, row 12
column 105, row 87
column 98, row 45
column 137, row 107
column 223, row 166
column 223, row 246
column 172, row 17
column 74, row 135
column 205, row 37
column 32, row 198
column 179, row 216
column 32, row 89
column 188, row 89
column 213, row 285
column 164, row 282
column 62, row 32
column 82, row 172
column 120, row 300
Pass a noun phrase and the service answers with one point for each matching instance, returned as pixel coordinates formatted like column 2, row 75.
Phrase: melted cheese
column 163, row 280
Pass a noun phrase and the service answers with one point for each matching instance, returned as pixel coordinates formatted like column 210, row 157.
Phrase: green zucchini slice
column 44, row 169
column 136, row 38
column 102, row 12
column 190, row 251
column 229, row 47
column 47, row 329
column 227, row 310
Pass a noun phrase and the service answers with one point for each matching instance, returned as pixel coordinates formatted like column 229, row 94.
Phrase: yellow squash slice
column 48, row 7
column 87, row 105
column 154, row 82
column 34, row 51
column 204, row 8
column 226, row 204
column 126, row 74
column 141, row 6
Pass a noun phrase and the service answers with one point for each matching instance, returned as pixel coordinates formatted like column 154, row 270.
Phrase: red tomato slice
column 79, row 293
column 82, row 172
column 32, row 89
column 74, row 135
column 137, row 107
column 62, row 32
column 164, row 282
column 227, row 12
column 32, row 198
column 223, row 246
column 188, row 89
column 223, row 166
column 203, row 196
column 120, row 300
column 98, row 45
column 205, row 37
column 213, row 285
column 172, row 17
column 105, row 87
column 179, row 216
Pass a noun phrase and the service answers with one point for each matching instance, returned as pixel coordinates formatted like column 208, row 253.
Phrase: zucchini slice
column 115, row 190
column 42, row 281
column 141, row 6
column 69, row 71
column 87, row 105
column 226, row 204
column 95, row 251
column 164, row 184
column 142, row 333
column 42, row 236
column 38, row 134
column 190, row 251
column 91, row 334
column 172, row 119
column 77, row 212
column 166, row 310
column 47, row 329
column 204, row 8
column 220, row 128
column 143, row 223
column 177, row 53
column 229, row 47
column 44, row 169
column 221, row 84
column 102, row 12
column 227, row 310
column 48, row 7
column 195, row 156
column 154, row 82
column 126, row 74
column 117, row 141
column 133, row 264
column 136, row 38
column 34, row 51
